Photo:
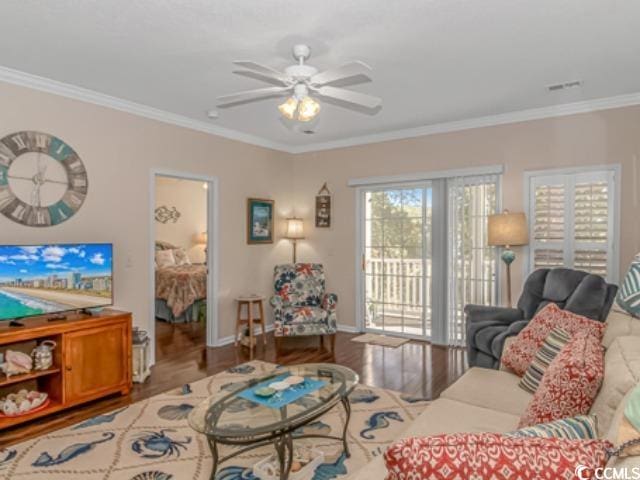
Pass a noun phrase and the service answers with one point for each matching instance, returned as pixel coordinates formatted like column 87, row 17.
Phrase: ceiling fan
column 302, row 82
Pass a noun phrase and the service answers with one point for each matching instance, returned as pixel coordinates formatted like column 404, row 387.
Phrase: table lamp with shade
column 508, row 230
column 200, row 238
column 295, row 232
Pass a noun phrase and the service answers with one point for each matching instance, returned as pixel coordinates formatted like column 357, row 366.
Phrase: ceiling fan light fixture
column 308, row 109
column 288, row 108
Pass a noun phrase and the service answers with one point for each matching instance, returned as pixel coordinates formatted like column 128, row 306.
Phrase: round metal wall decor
column 43, row 182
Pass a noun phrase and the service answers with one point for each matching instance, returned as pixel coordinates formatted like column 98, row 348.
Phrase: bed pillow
column 181, row 257
column 491, row 456
column 520, row 353
column 552, row 345
column 582, row 427
column 165, row 258
column 570, row 384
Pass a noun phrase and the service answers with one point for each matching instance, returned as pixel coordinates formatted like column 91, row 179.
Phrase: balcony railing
column 397, row 291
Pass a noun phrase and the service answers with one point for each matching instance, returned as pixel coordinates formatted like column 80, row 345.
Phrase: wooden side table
column 250, row 302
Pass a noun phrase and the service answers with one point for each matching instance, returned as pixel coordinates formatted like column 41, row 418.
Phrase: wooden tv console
column 92, row 359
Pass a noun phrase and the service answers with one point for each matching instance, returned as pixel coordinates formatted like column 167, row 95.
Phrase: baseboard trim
column 347, row 328
column 231, row 338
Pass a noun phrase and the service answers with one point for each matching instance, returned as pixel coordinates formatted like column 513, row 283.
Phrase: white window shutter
column 591, row 224
column 571, row 221
column 547, row 222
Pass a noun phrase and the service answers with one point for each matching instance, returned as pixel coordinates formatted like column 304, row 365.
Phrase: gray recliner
column 579, row 292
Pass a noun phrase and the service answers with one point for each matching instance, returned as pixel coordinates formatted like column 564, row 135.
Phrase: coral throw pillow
column 490, row 456
column 570, row 384
column 520, row 353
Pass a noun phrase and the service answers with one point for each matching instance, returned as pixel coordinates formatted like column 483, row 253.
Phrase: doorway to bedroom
column 183, row 308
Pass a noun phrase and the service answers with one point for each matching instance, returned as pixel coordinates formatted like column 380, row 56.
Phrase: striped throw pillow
column 629, row 293
column 581, row 427
column 551, row 346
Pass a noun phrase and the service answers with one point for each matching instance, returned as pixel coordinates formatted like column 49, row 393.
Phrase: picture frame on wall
column 260, row 221
column 323, row 207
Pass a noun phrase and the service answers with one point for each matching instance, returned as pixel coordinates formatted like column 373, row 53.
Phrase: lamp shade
column 508, row 229
column 295, row 228
column 200, row 238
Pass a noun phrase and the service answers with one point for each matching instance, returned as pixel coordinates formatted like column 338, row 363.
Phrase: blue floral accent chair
column 301, row 306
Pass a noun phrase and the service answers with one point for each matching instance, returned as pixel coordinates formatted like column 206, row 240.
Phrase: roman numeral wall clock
column 43, row 182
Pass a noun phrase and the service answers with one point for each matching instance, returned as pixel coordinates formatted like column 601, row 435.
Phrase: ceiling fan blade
column 261, row 77
column 349, row 96
column 347, row 70
column 249, row 95
column 263, row 69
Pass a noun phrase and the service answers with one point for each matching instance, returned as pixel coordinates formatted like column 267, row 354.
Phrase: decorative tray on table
column 281, row 390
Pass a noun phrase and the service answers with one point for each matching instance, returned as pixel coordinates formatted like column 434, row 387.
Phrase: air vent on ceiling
column 564, row 86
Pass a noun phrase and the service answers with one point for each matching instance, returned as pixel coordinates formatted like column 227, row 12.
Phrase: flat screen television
column 54, row 278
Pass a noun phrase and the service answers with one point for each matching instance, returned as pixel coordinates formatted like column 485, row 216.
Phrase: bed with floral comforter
column 180, row 288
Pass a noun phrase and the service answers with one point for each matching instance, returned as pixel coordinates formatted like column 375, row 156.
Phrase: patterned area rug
column 151, row 439
column 382, row 340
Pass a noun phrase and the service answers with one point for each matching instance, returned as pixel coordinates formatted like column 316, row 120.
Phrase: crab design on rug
column 158, row 444
column 378, row 421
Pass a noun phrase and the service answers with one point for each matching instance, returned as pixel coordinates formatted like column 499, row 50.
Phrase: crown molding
column 55, row 87
column 554, row 111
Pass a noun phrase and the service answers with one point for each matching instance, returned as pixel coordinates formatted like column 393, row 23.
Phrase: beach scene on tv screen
column 36, row 280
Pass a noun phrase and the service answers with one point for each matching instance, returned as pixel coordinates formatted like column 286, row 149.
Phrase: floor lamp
column 508, row 230
column 295, row 232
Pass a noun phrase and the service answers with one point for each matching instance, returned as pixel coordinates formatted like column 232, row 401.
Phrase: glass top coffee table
column 229, row 418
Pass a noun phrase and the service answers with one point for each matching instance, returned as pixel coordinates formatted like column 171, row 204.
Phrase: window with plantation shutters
column 572, row 219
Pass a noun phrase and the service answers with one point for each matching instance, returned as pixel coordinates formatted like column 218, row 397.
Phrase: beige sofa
column 484, row 400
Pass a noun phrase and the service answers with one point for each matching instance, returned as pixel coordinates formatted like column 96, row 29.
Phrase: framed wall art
column 260, row 221
column 323, row 207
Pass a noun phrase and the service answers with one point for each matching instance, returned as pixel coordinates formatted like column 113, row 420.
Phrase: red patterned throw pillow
column 520, row 353
column 491, row 456
column 570, row 384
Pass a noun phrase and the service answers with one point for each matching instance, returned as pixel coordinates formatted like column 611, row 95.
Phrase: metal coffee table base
column 282, row 442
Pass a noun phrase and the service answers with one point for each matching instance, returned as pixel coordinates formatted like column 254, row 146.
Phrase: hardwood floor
column 416, row 368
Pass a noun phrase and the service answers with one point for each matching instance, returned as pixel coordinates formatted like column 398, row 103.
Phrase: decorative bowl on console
column 22, row 403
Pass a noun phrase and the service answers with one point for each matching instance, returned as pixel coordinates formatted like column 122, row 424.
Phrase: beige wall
column 119, row 150
column 190, row 199
column 605, row 137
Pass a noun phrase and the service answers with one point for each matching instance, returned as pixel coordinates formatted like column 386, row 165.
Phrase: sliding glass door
column 424, row 255
column 472, row 264
column 397, row 260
